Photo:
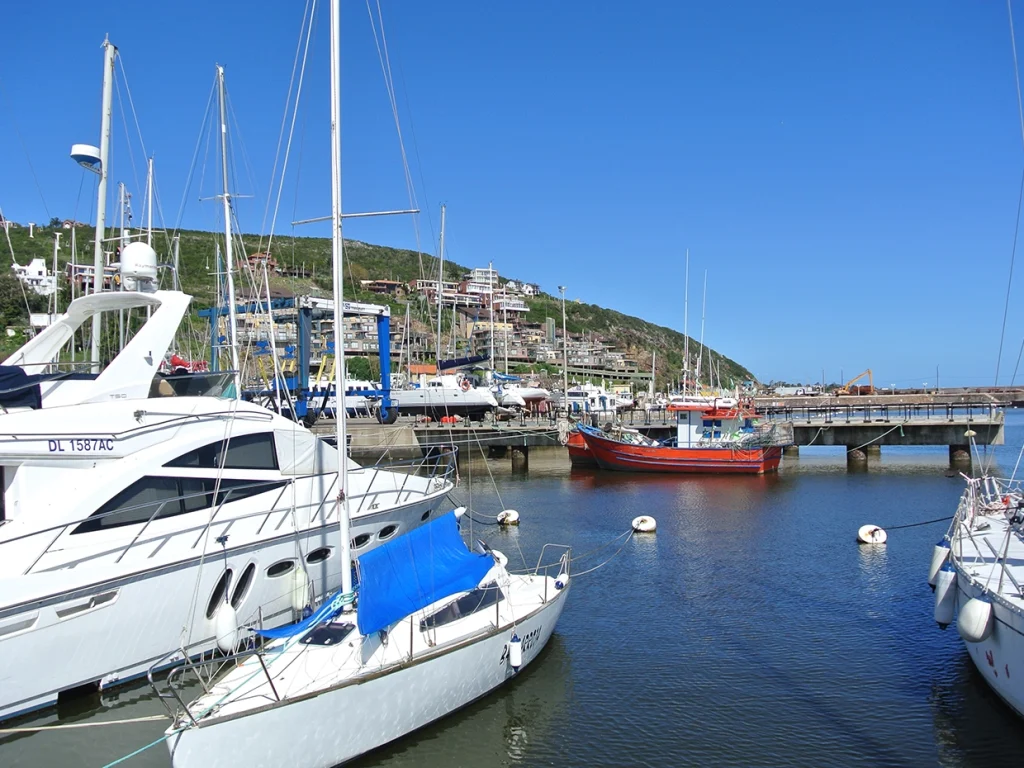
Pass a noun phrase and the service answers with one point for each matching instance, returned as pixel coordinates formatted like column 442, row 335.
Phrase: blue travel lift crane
column 295, row 369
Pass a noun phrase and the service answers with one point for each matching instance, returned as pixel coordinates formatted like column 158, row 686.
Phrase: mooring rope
column 91, row 724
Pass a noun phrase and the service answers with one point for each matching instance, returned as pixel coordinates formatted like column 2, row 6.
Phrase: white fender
column 300, row 588
column 945, row 595
column 562, row 581
column 976, row 620
column 225, row 628
column 515, row 652
column 508, row 517
column 940, row 554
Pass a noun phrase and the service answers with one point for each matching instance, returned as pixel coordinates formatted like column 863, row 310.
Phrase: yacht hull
column 342, row 723
column 108, row 630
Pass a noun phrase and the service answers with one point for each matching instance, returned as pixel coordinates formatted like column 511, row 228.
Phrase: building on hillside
column 382, row 287
column 36, row 276
column 256, row 261
column 71, row 223
column 529, row 289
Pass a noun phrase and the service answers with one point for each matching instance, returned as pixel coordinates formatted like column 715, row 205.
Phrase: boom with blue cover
column 409, row 573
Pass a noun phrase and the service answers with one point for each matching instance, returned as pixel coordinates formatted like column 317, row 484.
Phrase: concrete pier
column 792, row 451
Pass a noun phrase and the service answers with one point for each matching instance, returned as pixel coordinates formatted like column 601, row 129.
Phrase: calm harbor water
column 751, row 630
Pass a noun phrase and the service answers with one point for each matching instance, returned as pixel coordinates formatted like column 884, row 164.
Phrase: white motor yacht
column 139, row 511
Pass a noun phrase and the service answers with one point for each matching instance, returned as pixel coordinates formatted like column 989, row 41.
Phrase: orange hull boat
column 624, row 457
column 579, row 453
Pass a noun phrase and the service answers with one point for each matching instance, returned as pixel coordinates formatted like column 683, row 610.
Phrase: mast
column 654, row 368
column 341, row 415
column 504, row 322
column 565, row 354
column 149, row 204
column 490, row 284
column 440, row 290
column 99, row 260
column 686, row 317
column 228, row 252
column 703, row 308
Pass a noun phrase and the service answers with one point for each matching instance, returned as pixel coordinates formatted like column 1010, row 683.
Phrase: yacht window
column 3, row 496
column 387, row 532
column 243, row 452
column 318, row 555
column 219, row 592
column 242, row 588
column 137, row 503
column 280, row 569
column 471, row 602
column 361, row 540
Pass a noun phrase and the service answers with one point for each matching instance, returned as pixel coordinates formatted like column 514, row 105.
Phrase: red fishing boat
column 712, row 441
column 579, row 454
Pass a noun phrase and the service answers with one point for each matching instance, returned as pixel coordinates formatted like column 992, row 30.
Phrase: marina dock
column 862, row 428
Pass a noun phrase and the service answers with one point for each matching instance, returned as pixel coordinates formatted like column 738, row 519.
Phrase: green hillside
column 310, row 258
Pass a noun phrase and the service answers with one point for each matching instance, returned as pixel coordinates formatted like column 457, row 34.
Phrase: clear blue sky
column 847, row 173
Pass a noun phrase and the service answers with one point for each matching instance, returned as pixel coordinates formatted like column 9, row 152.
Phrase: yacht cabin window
column 243, row 452
column 471, row 602
column 160, row 497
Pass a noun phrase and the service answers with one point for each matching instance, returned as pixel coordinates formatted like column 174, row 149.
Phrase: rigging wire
column 24, row 148
column 195, row 158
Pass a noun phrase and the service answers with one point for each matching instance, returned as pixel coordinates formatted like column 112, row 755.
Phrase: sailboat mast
column 99, row 260
column 490, row 284
column 440, row 290
column 703, row 308
column 229, row 264
column 686, row 318
column 337, row 245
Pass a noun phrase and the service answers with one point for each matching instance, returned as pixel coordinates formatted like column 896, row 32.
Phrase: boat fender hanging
column 562, row 581
column 940, row 554
column 975, row 620
column 871, row 534
column 500, row 558
column 945, row 595
column 508, row 517
column 459, row 512
column 515, row 652
column 644, row 524
column 300, row 589
column 466, row 386
column 225, row 628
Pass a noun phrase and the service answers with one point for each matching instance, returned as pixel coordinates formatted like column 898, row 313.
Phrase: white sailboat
column 977, row 571
column 119, row 484
column 432, row 628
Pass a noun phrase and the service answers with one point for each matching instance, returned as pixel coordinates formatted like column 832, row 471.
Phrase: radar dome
column 138, row 267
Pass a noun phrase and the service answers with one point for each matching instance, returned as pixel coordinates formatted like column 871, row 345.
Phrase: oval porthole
column 280, row 569
column 387, row 532
column 242, row 587
column 424, row 516
column 219, row 591
column 318, row 555
column 361, row 540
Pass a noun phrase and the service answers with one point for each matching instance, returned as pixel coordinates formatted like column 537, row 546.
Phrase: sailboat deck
column 992, row 554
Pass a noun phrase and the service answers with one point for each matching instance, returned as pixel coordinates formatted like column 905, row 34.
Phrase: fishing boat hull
column 579, row 454
column 361, row 715
column 614, row 455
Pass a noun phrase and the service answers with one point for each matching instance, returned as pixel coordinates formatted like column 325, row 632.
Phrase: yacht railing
column 436, row 472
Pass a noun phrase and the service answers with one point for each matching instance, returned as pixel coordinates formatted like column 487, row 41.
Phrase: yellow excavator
column 868, row 390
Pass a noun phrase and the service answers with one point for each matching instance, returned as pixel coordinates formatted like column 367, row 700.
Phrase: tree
column 55, row 223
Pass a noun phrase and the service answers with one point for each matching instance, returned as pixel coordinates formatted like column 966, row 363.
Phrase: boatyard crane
column 845, row 389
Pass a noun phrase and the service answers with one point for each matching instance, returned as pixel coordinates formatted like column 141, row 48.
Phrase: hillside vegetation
column 311, row 258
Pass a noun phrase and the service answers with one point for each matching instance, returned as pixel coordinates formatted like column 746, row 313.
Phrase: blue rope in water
column 140, row 750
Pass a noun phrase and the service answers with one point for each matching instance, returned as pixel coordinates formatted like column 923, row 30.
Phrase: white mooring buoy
column 871, row 534
column 508, row 517
column 644, row 524
column 945, row 595
column 940, row 554
column 975, row 620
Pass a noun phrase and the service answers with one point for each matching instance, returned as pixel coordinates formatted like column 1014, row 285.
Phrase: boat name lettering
column 81, row 444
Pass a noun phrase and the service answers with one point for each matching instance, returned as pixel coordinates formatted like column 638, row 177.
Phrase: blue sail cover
column 425, row 565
